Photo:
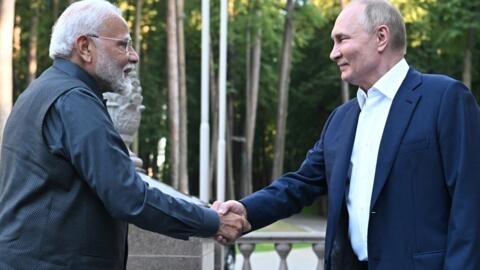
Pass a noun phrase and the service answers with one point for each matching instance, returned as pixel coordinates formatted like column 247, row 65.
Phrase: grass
column 315, row 210
column 279, row 226
column 265, row 247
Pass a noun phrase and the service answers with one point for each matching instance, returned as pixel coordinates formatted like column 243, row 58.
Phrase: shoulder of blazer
column 346, row 107
column 418, row 78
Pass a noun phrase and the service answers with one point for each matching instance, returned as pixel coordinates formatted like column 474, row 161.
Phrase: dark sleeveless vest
column 49, row 217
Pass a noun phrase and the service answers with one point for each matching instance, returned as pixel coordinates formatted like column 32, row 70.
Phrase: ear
column 383, row 37
column 83, row 47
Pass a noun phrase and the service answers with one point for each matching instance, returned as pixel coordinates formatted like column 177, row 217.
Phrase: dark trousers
column 363, row 265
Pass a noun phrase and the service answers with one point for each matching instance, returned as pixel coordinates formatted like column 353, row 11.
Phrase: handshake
column 233, row 221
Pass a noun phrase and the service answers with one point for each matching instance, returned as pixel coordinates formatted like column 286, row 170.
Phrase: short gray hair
column 382, row 12
column 80, row 18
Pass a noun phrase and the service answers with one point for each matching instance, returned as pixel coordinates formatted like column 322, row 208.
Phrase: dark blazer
column 427, row 183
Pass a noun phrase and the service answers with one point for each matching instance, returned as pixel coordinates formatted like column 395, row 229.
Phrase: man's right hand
column 233, row 221
column 230, row 206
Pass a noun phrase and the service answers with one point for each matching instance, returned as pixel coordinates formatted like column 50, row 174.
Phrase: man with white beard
column 68, row 188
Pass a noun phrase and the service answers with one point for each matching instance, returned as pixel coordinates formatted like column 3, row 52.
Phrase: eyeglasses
column 125, row 43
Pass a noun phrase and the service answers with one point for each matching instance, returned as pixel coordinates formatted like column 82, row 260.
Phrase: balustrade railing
column 283, row 242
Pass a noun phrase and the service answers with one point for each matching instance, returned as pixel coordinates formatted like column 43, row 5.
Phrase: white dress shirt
column 374, row 105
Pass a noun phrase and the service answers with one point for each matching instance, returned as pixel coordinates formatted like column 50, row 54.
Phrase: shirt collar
column 79, row 73
column 388, row 84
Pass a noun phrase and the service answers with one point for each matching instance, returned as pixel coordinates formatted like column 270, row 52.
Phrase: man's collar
column 388, row 84
column 79, row 73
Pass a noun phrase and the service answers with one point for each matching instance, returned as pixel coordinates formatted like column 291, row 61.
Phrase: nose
column 133, row 56
column 335, row 53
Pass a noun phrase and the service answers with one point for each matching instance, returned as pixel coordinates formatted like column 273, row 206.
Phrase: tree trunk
column 251, row 98
column 230, row 185
column 55, row 9
column 245, row 176
column 7, row 11
column 138, row 30
column 345, row 92
column 214, row 121
column 284, row 80
column 345, row 89
column 467, row 58
column 183, row 99
column 173, row 93
column 33, row 42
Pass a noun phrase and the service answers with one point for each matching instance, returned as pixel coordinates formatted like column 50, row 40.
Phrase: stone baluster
column 283, row 249
column 283, row 242
column 246, row 249
column 318, row 249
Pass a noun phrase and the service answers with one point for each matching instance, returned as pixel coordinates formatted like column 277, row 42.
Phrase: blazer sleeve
column 91, row 143
column 459, row 137
column 289, row 193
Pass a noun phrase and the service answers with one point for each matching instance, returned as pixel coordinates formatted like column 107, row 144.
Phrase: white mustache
column 129, row 69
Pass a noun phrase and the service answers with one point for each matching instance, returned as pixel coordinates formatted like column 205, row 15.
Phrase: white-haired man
column 68, row 188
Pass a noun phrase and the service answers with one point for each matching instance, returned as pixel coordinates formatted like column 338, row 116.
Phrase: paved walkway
column 298, row 259
column 308, row 222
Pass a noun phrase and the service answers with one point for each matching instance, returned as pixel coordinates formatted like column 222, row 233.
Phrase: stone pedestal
column 152, row 251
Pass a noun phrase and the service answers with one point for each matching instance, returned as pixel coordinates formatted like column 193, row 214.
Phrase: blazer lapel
column 403, row 106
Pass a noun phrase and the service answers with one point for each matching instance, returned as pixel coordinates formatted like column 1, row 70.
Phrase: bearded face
column 113, row 76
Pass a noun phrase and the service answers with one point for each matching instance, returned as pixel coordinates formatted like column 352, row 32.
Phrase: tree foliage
column 437, row 33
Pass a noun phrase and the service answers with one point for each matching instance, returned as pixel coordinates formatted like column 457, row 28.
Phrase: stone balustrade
column 283, row 242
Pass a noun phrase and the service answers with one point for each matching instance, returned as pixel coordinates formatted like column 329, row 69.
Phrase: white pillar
column 205, row 90
column 222, row 76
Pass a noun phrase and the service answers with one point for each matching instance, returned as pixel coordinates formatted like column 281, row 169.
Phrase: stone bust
column 126, row 111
